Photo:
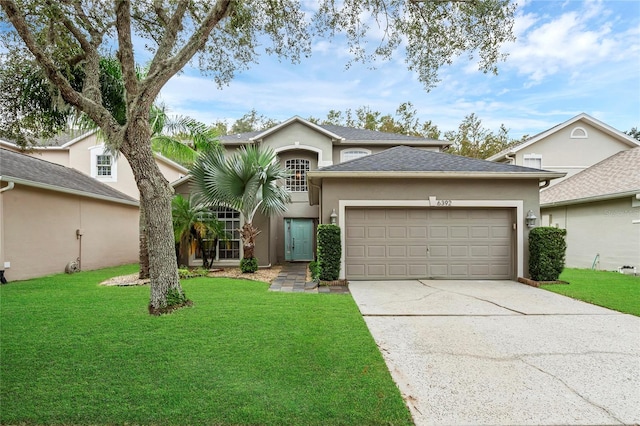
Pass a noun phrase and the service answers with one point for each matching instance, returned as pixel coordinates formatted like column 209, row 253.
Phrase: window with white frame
column 103, row 165
column 353, row 153
column 533, row 161
column 297, row 180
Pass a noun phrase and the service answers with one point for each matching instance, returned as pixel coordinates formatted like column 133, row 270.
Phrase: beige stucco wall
column 562, row 153
column 297, row 135
column 603, row 228
column 39, row 232
column 334, row 190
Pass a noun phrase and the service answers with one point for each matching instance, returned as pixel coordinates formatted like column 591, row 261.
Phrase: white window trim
column 350, row 150
column 432, row 202
column 216, row 261
column 585, row 135
column 95, row 151
column 532, row 157
column 305, row 184
column 297, row 145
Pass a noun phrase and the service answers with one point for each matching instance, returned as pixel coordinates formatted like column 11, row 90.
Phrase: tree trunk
column 248, row 234
column 143, row 249
column 155, row 201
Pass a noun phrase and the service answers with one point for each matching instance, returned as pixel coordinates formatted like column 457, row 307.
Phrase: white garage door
column 402, row 243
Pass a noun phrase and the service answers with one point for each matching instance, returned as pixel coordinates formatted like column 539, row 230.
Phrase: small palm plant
column 194, row 224
column 247, row 182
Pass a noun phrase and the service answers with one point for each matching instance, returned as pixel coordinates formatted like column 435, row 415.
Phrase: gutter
column 19, row 181
column 592, row 199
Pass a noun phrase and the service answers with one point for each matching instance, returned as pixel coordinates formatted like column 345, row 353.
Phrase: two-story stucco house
column 569, row 147
column 406, row 209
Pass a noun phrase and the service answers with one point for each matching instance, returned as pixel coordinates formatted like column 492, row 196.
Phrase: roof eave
column 55, row 188
column 298, row 119
column 592, row 199
column 319, row 174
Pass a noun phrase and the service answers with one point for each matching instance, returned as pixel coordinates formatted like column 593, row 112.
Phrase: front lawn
column 609, row 289
column 73, row 352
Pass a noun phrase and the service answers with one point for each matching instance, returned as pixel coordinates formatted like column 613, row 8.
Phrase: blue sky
column 570, row 57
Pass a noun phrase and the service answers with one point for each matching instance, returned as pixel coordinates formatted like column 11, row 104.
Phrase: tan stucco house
column 406, row 209
column 600, row 209
column 85, row 151
column 569, row 147
column 51, row 215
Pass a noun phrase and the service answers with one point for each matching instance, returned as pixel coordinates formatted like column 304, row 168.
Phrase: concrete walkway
column 293, row 279
column 503, row 353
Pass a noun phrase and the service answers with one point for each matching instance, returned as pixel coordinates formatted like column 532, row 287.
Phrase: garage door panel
column 424, row 242
column 438, row 232
column 397, row 232
column 376, row 251
column 376, row 232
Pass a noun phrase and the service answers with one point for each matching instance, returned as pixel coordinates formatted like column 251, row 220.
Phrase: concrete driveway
column 503, row 353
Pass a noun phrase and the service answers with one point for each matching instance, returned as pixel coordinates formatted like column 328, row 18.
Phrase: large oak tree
column 222, row 37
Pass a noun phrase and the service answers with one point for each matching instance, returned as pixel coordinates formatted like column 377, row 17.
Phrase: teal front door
column 298, row 239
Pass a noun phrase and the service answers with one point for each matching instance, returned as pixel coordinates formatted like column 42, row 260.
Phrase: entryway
column 298, row 240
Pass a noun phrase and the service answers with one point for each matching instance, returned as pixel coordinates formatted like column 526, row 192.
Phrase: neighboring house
column 569, row 147
column 598, row 208
column 51, row 215
column 406, row 210
column 85, row 152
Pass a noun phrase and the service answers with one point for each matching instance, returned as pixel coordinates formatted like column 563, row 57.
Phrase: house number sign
column 433, row 202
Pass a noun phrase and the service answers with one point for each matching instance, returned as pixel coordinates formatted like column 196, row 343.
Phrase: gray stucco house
column 406, row 209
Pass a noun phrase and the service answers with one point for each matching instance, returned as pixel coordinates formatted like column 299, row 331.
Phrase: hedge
column 547, row 248
column 329, row 252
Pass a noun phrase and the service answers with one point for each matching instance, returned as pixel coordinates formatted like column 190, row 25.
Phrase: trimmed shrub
column 248, row 265
column 329, row 252
column 314, row 269
column 547, row 248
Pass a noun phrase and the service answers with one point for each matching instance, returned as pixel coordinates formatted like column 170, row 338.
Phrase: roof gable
column 31, row 171
column 616, row 176
column 340, row 134
column 605, row 128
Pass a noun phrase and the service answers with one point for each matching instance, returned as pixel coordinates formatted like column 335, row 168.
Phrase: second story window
column 532, row 160
column 352, row 154
column 103, row 164
column 297, row 181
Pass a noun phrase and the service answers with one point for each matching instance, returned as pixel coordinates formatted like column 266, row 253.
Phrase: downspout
column 511, row 159
column 546, row 183
column 9, row 187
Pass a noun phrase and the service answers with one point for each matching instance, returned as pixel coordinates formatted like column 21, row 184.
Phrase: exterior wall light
column 530, row 220
column 334, row 217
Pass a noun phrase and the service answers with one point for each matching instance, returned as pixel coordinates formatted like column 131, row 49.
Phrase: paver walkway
column 293, row 279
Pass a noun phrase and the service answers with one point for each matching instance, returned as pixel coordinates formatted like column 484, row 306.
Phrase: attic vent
column 579, row 133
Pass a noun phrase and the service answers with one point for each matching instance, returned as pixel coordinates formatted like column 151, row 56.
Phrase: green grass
column 73, row 352
column 608, row 289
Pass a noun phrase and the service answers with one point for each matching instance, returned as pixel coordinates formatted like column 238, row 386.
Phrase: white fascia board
column 78, row 139
column 180, row 181
column 68, row 191
column 170, row 162
column 603, row 197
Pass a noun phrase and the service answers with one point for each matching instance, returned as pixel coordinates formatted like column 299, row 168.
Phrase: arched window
column 297, row 181
column 579, row 133
column 353, row 153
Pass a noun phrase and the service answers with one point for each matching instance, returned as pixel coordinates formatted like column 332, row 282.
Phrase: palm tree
column 193, row 223
column 247, row 182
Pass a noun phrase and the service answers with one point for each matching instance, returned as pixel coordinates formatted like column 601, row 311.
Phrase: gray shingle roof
column 407, row 159
column 58, row 140
column 34, row 170
column 618, row 174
